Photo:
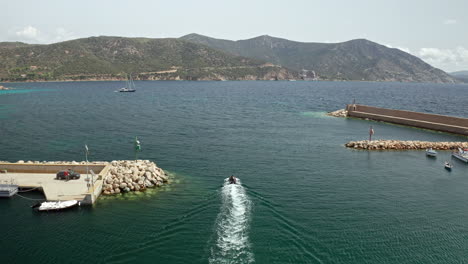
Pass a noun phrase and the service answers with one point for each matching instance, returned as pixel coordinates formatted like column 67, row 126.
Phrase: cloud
column 445, row 58
column 28, row 32
column 32, row 34
column 450, row 22
column 439, row 55
column 407, row 50
column 61, row 34
column 463, row 53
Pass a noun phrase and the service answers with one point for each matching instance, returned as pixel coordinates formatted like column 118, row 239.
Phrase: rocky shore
column 4, row 88
column 400, row 145
column 126, row 176
column 338, row 113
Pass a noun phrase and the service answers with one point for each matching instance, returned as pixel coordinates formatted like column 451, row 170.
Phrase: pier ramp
column 451, row 124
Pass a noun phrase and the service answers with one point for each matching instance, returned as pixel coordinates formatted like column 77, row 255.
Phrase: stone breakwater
column 399, row 145
column 126, row 176
column 338, row 113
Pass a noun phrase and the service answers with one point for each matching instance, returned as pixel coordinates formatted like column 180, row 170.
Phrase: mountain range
column 197, row 57
column 461, row 75
column 109, row 58
column 357, row 59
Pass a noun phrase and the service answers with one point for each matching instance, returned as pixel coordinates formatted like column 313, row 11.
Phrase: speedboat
column 448, row 166
column 57, row 205
column 462, row 155
column 232, row 180
column 430, row 152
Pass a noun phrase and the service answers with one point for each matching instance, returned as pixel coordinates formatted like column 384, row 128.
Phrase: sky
column 435, row 31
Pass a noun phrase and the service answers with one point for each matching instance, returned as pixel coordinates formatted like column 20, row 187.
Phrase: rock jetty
column 126, row 176
column 338, row 113
column 400, row 145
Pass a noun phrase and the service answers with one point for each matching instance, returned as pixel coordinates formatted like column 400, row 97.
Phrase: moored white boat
column 461, row 155
column 58, row 205
column 448, row 166
column 431, row 153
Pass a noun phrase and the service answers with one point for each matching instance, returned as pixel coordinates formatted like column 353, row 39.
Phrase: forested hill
column 358, row 59
column 108, row 58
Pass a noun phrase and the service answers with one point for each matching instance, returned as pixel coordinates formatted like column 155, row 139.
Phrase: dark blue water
column 304, row 198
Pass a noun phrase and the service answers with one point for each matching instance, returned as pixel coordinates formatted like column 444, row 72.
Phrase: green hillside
column 358, row 59
column 113, row 57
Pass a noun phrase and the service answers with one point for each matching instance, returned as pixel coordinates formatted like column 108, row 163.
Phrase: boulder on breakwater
column 400, row 145
column 338, row 113
column 125, row 176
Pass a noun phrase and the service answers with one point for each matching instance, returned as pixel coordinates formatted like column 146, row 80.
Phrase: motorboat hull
column 57, row 206
column 463, row 158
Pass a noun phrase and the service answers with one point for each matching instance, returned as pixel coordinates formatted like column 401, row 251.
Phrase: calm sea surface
column 303, row 198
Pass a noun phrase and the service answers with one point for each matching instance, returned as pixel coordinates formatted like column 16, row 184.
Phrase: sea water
column 303, row 197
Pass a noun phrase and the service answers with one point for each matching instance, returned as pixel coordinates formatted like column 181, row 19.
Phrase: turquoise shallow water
column 304, row 198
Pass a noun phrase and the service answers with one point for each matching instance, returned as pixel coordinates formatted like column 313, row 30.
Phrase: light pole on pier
column 87, row 170
column 137, row 148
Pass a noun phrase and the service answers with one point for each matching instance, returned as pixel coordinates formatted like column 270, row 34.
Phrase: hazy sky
column 436, row 31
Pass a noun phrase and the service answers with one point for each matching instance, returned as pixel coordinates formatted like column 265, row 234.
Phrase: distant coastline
column 3, row 88
column 211, row 80
column 200, row 58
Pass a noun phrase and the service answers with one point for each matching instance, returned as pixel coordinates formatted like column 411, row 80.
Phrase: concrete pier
column 42, row 177
column 451, row 124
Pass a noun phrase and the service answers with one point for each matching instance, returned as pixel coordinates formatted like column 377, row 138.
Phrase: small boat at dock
column 431, row 153
column 56, row 205
column 462, row 155
column 448, row 166
column 8, row 190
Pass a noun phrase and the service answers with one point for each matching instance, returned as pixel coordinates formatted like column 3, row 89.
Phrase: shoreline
column 223, row 80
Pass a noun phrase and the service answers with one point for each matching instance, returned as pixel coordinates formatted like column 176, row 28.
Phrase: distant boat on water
column 448, row 166
column 431, row 153
column 129, row 86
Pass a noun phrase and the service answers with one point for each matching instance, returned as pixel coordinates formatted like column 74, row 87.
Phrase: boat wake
column 232, row 240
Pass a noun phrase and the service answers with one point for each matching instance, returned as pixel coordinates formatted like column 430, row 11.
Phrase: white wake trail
column 232, row 224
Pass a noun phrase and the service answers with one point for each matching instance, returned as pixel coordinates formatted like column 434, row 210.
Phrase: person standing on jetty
column 371, row 132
